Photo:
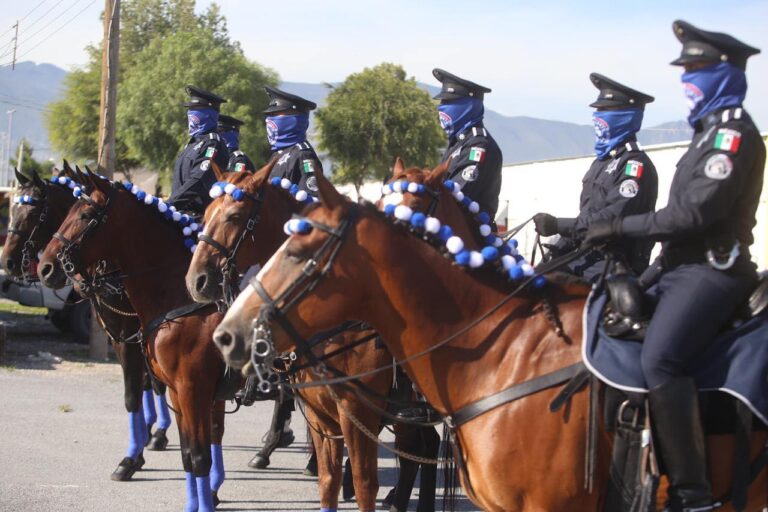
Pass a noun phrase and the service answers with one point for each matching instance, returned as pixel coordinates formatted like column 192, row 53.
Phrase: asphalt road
column 63, row 429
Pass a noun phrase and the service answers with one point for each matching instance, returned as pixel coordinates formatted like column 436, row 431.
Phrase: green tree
column 152, row 119
column 27, row 161
column 375, row 116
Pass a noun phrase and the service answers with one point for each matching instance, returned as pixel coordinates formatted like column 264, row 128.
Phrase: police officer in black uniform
column 707, row 230
column 475, row 157
column 287, row 124
column 192, row 172
column 229, row 130
column 621, row 181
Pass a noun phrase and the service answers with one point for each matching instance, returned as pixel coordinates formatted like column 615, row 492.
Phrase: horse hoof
column 311, row 469
column 126, row 469
column 286, row 439
column 259, row 462
column 159, row 441
column 149, row 435
column 216, row 499
column 388, row 499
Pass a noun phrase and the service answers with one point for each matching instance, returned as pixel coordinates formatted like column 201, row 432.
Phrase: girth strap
column 185, row 310
column 514, row 392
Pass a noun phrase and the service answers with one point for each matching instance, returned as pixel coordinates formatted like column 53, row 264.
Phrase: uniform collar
column 720, row 116
column 301, row 145
column 629, row 145
column 472, row 131
column 209, row 135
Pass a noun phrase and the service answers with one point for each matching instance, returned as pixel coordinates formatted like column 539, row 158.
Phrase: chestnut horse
column 108, row 223
column 461, row 337
column 266, row 208
column 41, row 208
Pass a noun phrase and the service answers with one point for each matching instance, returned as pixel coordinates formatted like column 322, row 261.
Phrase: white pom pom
column 187, row 231
column 293, row 225
column 229, row 188
column 454, row 245
column 508, row 261
column 498, row 242
column 385, row 191
column 458, row 195
column 72, row 185
column 62, row 180
column 485, row 229
column 287, row 228
column 456, row 187
column 193, row 248
column 215, row 191
column 176, row 215
column 162, row 207
column 432, row 225
column 397, row 186
column 403, row 213
column 148, row 199
column 194, row 226
column 476, row 259
column 413, row 187
column 301, row 196
column 135, row 189
column 474, row 207
column 285, row 183
column 527, row 269
column 172, row 208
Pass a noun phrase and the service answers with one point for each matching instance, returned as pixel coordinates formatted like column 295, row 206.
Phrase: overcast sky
column 535, row 55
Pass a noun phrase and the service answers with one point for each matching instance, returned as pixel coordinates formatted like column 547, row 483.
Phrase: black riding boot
column 682, row 445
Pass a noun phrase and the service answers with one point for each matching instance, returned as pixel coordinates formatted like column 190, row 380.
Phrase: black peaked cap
column 455, row 87
column 614, row 94
column 702, row 45
column 200, row 98
column 280, row 101
column 227, row 123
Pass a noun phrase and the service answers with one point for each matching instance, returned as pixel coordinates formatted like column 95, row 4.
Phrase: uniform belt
column 700, row 252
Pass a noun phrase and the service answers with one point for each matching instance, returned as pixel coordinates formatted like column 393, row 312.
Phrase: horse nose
column 200, row 282
column 9, row 265
column 46, row 270
column 223, row 338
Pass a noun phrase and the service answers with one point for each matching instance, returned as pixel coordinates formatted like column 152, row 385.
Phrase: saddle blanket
column 737, row 363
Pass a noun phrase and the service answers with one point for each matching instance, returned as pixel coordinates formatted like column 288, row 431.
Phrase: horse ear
column 37, row 180
column 66, row 167
column 437, row 175
column 217, row 171
column 329, row 196
column 23, row 180
column 79, row 176
column 399, row 167
column 101, row 184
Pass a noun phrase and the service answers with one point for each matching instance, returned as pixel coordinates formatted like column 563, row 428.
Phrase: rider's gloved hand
column 603, row 230
column 546, row 224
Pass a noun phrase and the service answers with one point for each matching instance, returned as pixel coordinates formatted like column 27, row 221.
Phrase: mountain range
column 30, row 87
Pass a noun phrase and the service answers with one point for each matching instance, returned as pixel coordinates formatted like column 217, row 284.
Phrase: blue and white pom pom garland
column 25, row 199
column 504, row 256
column 222, row 187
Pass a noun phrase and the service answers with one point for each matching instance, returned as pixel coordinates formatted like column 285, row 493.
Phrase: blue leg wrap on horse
column 192, row 504
column 163, row 415
column 137, row 434
column 217, row 467
column 148, row 399
column 323, row 509
column 204, row 495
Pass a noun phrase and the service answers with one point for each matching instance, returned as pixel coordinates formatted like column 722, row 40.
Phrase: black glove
column 603, row 231
column 546, row 224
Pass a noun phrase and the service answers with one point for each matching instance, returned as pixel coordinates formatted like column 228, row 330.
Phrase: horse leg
column 329, row 454
column 408, row 440
column 217, row 456
column 159, row 441
column 131, row 360
column 150, row 414
column 280, row 416
column 363, row 455
column 194, row 422
column 428, row 481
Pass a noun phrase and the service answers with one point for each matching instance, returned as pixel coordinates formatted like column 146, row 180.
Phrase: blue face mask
column 459, row 115
column 231, row 138
column 721, row 85
column 202, row 121
column 285, row 131
column 612, row 127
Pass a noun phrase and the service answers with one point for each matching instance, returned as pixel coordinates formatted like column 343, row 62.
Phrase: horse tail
column 450, row 475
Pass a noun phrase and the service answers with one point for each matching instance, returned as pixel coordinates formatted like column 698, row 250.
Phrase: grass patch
column 8, row 367
column 65, row 408
column 8, row 306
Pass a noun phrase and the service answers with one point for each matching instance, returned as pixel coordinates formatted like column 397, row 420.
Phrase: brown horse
column 518, row 456
column 226, row 221
column 109, row 224
column 40, row 210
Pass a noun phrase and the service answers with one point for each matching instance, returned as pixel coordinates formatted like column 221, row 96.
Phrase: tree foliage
column 375, row 116
column 28, row 162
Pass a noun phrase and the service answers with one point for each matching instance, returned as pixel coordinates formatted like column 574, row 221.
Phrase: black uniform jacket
column 476, row 166
column 299, row 164
column 239, row 162
column 192, row 173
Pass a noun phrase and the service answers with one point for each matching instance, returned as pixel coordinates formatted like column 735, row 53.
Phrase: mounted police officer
column 706, row 272
column 287, row 124
column 476, row 158
column 192, row 172
column 621, row 181
column 229, row 130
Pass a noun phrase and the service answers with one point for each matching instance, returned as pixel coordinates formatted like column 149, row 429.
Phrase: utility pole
column 7, row 162
column 19, row 161
column 15, row 44
column 106, row 151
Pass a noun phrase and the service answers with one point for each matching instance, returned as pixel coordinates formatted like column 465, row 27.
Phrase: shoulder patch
column 612, row 166
column 311, row 183
column 205, row 164
column 633, row 168
column 283, row 159
column 210, row 152
column 718, row 167
column 470, row 173
column 477, row 154
column 239, row 167
column 629, row 188
column 728, row 140
column 308, row 166
column 199, row 145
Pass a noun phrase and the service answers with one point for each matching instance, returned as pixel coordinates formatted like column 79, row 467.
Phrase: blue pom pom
column 505, row 250
column 238, row 194
column 127, row 185
column 539, row 281
column 515, row 273
column 140, row 195
column 418, row 220
column 518, row 258
column 463, row 258
column 168, row 214
column 275, row 181
column 389, row 210
column 184, row 220
column 445, row 232
column 294, row 188
column 303, row 226
column 490, row 253
column 155, row 200
column 465, row 201
column 449, row 185
column 483, row 218
column 188, row 243
column 490, row 239
column 513, row 243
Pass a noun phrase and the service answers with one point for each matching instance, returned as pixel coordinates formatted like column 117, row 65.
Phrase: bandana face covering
column 231, row 138
column 720, row 85
column 459, row 115
column 285, row 131
column 202, row 121
column 612, row 127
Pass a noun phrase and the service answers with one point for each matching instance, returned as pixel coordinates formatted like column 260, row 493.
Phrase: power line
column 32, row 10
column 62, row 13
column 21, row 105
column 41, row 17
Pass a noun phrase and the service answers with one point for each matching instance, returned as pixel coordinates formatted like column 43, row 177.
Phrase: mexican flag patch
column 634, row 169
column 727, row 140
column 477, row 154
column 239, row 167
column 308, row 166
column 210, row 152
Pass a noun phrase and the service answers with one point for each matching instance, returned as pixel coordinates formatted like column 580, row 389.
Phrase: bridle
column 434, row 195
column 229, row 271
column 28, row 250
